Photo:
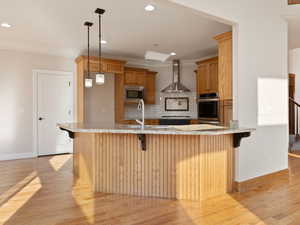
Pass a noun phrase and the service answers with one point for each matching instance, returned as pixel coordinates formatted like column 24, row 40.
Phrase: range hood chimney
column 175, row 86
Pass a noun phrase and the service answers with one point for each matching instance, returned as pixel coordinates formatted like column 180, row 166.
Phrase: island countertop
column 148, row 129
column 157, row 161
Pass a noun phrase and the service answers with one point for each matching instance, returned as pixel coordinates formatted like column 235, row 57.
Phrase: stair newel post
column 297, row 122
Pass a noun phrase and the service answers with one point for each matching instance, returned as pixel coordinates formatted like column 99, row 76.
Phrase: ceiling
column 56, row 27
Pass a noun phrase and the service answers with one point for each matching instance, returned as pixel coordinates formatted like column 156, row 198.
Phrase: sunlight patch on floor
column 294, row 155
column 209, row 212
column 88, row 209
column 17, row 187
column 57, row 162
column 21, row 193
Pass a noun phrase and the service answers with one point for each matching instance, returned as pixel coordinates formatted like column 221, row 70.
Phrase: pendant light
column 100, row 78
column 88, row 81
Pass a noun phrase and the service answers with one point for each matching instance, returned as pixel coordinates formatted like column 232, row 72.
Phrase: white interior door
column 55, row 105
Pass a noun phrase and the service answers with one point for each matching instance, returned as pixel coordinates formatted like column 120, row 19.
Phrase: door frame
column 35, row 75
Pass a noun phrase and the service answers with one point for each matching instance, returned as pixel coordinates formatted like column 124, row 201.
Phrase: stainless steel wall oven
column 208, row 107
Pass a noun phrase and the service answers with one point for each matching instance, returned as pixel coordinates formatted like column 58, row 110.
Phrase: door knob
column 41, row 118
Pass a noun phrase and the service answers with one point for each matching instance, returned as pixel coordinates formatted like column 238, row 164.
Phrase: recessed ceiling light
column 6, row 25
column 172, row 53
column 103, row 42
column 149, row 8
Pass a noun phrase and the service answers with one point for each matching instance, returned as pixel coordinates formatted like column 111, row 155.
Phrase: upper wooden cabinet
column 293, row 2
column 142, row 77
column 225, row 65
column 214, row 75
column 150, row 87
column 135, row 76
column 107, row 65
column 207, row 76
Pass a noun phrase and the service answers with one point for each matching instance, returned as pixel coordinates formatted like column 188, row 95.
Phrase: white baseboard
column 15, row 156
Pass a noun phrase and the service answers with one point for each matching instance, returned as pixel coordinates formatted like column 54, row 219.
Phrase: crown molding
column 149, row 63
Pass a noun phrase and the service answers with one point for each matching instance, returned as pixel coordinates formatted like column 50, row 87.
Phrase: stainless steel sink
column 146, row 126
column 158, row 126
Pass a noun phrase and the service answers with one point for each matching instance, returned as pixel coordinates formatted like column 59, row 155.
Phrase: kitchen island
column 157, row 161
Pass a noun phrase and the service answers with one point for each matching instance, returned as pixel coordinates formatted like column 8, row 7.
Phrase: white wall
column 294, row 67
column 16, row 97
column 260, row 51
column 100, row 102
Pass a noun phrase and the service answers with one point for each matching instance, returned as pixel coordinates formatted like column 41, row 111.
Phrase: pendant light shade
column 88, row 81
column 100, row 77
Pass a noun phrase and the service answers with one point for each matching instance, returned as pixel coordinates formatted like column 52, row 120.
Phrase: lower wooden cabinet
column 207, row 76
column 226, row 113
column 194, row 121
column 152, row 122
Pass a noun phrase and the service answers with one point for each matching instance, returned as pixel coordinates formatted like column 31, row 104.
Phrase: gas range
column 175, row 120
column 176, row 117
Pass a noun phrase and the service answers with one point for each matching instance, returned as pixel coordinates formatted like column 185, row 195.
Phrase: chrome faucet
column 141, row 107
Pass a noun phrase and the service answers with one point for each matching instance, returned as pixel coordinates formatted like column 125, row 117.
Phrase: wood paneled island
column 156, row 161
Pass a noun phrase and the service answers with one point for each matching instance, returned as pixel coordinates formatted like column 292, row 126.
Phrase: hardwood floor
column 40, row 192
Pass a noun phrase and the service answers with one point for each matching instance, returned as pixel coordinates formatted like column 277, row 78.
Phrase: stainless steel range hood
column 175, row 86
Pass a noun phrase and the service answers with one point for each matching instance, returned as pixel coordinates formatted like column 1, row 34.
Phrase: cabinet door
column 195, row 122
column 130, row 78
column 94, row 67
column 202, row 79
column 213, row 78
column 150, row 89
column 226, row 113
column 152, row 122
column 135, row 78
column 140, row 78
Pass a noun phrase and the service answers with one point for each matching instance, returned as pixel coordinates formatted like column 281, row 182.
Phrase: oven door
column 208, row 110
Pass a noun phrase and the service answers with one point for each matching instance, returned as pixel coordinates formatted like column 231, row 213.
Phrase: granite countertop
column 130, row 119
column 159, row 118
column 149, row 129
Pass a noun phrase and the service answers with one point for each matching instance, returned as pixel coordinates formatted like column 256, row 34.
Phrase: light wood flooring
column 40, row 192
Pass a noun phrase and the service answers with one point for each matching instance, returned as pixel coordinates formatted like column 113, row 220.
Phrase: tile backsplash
column 157, row 111
column 192, row 104
column 151, row 112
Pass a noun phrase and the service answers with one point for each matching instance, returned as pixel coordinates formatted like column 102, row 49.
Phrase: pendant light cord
column 88, row 52
column 100, row 47
column 88, row 24
column 100, row 12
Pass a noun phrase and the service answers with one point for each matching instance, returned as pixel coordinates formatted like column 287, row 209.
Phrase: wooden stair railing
column 294, row 117
column 293, row 2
